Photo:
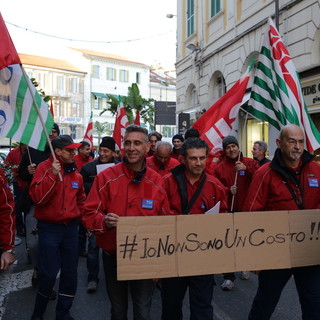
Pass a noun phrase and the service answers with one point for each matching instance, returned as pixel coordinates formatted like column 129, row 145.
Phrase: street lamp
column 193, row 48
column 170, row 15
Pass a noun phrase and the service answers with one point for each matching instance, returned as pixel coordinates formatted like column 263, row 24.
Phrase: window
column 124, row 75
column 42, row 80
column 95, row 71
column 74, row 85
column 97, row 103
column 111, row 74
column 60, row 82
column 215, row 7
column 138, row 77
column 75, row 108
column 221, row 86
column 190, row 18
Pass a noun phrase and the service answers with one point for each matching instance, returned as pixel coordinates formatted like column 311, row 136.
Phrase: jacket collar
column 133, row 174
column 278, row 165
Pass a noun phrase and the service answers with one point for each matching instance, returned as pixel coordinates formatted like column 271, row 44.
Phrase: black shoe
column 53, row 295
column 35, row 317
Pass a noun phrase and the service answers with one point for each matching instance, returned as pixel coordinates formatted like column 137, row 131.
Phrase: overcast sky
column 137, row 30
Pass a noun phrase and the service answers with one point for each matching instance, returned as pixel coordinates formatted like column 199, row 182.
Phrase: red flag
column 120, row 126
column 217, row 122
column 137, row 118
column 88, row 137
column 8, row 53
column 51, row 108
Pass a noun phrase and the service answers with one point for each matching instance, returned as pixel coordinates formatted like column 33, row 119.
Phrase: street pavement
column 17, row 297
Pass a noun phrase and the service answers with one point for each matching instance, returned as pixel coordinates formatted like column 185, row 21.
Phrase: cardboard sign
column 170, row 246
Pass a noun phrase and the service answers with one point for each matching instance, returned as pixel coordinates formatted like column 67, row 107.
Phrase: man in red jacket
column 58, row 194
column 7, row 223
column 13, row 159
column 162, row 162
column 126, row 189
column 289, row 182
column 83, row 156
column 235, row 172
column 191, row 191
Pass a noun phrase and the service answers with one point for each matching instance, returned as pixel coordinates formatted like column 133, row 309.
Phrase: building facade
column 109, row 75
column 64, row 83
column 84, row 86
column 216, row 39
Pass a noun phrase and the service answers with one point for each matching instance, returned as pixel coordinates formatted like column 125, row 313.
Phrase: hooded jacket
column 269, row 191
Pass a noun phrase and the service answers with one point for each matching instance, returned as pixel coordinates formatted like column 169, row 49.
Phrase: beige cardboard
column 305, row 235
column 262, row 242
column 207, row 251
column 171, row 246
column 146, row 231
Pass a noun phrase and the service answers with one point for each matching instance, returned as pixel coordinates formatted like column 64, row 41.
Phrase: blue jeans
column 93, row 259
column 141, row 292
column 200, row 296
column 58, row 250
column 271, row 284
column 82, row 232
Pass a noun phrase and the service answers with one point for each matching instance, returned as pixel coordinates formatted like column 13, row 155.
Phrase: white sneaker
column 227, row 285
column 244, row 275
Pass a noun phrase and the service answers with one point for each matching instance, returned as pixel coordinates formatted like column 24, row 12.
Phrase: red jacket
column 116, row 190
column 176, row 154
column 57, row 201
column 80, row 161
column 269, row 193
column 7, row 215
column 211, row 193
column 226, row 173
column 161, row 168
column 13, row 159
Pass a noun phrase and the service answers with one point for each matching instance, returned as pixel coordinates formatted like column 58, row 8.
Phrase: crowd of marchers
column 67, row 203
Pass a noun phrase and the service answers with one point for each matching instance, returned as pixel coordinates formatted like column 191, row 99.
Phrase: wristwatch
column 10, row 250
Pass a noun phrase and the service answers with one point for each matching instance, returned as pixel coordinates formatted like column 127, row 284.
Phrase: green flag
column 19, row 118
column 276, row 94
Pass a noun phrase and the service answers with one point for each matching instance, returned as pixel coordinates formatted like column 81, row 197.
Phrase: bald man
column 289, row 182
column 162, row 162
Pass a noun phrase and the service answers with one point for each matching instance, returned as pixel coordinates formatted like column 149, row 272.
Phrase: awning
column 100, row 95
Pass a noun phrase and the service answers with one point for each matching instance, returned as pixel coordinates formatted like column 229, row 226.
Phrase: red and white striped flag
column 88, row 137
column 120, row 126
column 219, row 120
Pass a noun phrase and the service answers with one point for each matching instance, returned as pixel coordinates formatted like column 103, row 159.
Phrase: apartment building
column 109, row 74
column 64, row 82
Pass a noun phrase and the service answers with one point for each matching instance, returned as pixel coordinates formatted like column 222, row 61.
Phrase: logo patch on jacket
column 75, row 185
column 242, row 173
column 313, row 182
column 147, row 204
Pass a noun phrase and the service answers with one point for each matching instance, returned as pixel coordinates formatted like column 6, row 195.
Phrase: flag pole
column 40, row 116
column 276, row 2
